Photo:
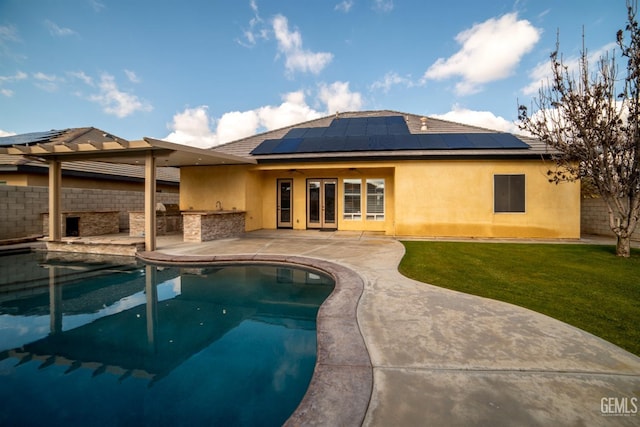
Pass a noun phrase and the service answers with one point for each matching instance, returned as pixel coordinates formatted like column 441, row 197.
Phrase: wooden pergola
column 91, row 144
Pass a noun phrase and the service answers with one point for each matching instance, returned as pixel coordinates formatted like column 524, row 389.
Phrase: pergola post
column 55, row 200
column 150, row 202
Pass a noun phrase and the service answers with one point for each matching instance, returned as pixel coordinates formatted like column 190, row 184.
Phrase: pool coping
column 342, row 383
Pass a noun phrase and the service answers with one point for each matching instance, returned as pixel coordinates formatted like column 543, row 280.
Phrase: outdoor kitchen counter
column 203, row 226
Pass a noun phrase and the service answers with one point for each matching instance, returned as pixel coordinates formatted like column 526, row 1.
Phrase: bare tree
column 593, row 121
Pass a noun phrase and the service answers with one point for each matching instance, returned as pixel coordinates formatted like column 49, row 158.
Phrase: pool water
column 114, row 342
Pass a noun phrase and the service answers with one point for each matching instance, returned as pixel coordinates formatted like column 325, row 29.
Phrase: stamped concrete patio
column 435, row 356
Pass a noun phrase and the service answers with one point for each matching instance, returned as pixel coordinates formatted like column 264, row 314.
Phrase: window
column 508, row 195
column 375, row 199
column 352, row 199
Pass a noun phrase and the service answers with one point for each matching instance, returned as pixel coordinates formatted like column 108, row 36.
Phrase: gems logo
column 619, row 406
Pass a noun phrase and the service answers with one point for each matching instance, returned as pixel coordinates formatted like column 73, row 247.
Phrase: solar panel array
column 29, row 138
column 379, row 134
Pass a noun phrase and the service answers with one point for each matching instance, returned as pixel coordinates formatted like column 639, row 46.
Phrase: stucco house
column 389, row 172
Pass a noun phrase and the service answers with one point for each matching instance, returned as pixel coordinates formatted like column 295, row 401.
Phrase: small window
column 352, row 199
column 508, row 193
column 375, row 199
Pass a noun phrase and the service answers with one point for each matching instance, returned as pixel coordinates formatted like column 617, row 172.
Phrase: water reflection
column 163, row 326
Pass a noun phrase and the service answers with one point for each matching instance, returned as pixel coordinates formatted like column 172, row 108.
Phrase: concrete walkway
column 443, row 358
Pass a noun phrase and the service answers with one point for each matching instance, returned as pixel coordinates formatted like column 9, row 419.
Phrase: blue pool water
column 113, row 342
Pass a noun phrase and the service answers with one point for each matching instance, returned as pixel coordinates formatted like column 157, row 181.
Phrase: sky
column 205, row 72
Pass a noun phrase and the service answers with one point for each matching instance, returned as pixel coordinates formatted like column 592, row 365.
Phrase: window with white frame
column 375, row 199
column 352, row 199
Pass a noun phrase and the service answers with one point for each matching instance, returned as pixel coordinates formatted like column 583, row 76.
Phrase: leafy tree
column 592, row 120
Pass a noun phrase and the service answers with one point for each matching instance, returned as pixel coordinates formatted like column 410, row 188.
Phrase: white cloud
column 257, row 29
column 81, row 75
column 133, row 78
column 192, row 127
column 541, row 74
column 96, row 5
column 290, row 45
column 195, row 127
column 344, row 6
column 338, row 97
column 116, row 102
column 9, row 33
column 47, row 82
column 5, row 133
column 20, row 75
column 391, row 79
column 484, row 119
column 383, row 5
column 490, row 51
column 58, row 31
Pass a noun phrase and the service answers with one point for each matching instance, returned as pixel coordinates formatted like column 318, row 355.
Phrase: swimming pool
column 115, row 342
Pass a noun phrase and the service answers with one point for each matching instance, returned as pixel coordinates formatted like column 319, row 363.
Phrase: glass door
column 285, row 203
column 321, row 203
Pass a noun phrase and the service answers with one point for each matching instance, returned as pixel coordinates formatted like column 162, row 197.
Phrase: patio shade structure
column 91, row 144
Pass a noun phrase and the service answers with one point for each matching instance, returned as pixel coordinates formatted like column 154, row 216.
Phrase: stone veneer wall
column 209, row 226
column 90, row 223
column 594, row 219
column 21, row 207
column 166, row 223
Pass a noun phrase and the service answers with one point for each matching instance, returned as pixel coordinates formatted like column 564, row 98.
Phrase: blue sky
column 203, row 72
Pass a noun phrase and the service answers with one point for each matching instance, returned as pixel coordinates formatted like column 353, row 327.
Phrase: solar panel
column 29, row 138
column 296, row 133
column 380, row 134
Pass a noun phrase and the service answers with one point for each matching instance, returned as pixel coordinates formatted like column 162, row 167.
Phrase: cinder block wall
column 21, row 207
column 594, row 219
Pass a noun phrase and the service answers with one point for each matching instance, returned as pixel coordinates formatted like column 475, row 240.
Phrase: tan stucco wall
column 422, row 198
column 209, row 185
column 455, row 198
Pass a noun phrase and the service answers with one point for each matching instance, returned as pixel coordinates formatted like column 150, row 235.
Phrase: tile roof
column 244, row 147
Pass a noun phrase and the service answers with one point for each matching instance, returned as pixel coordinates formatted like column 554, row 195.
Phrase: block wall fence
column 21, row 207
column 594, row 219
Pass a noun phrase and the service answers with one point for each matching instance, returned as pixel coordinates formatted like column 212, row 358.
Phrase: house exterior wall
column 455, row 199
column 443, row 198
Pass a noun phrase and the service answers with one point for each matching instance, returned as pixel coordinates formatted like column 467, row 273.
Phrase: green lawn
column 586, row 286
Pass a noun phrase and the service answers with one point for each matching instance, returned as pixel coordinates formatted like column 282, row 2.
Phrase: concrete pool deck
column 437, row 357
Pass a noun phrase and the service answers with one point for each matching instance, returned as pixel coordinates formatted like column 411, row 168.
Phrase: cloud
column 133, row 78
column 484, row 119
column 541, row 74
column 195, row 127
column 290, row 45
column 81, row 75
column 389, row 80
column 344, row 6
column 257, row 29
column 338, row 97
column 9, row 33
column 96, row 5
column 47, row 82
column 57, row 31
column 384, row 6
column 5, row 133
column 490, row 51
column 192, row 127
column 116, row 102
column 20, row 75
